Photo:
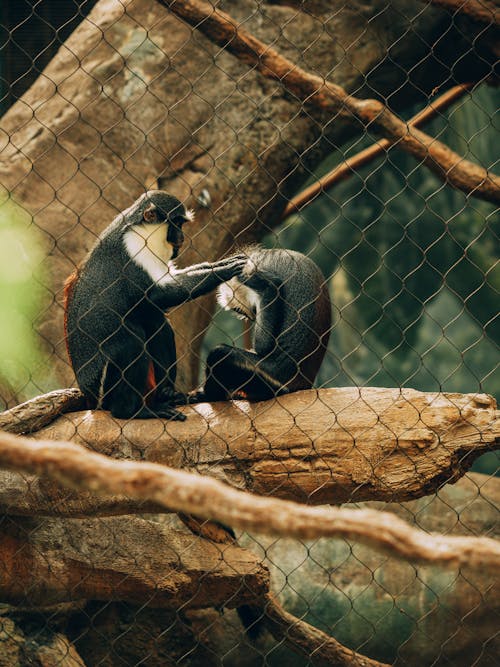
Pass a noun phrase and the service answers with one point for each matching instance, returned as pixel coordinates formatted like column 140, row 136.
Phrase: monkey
column 119, row 342
column 284, row 293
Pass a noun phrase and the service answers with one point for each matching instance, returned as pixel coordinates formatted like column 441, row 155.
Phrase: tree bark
column 129, row 559
column 317, row 446
column 135, row 99
column 206, row 498
column 313, row 91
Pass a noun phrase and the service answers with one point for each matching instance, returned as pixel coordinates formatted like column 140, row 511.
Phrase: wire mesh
column 382, row 280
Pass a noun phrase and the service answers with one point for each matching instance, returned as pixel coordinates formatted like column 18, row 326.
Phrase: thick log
column 206, row 498
column 396, row 612
column 325, row 446
column 128, row 559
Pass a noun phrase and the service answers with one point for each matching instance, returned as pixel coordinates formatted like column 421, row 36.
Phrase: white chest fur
column 147, row 246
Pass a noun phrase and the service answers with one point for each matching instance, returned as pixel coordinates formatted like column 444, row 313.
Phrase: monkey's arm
column 271, row 289
column 194, row 281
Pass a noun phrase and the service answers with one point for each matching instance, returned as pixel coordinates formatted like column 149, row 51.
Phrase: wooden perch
column 325, row 446
column 312, row 90
column 126, row 559
column 32, row 415
column 78, row 468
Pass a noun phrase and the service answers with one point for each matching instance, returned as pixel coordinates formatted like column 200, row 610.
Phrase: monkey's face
column 168, row 215
column 153, row 231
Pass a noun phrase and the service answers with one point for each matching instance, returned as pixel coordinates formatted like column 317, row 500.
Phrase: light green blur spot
column 20, row 257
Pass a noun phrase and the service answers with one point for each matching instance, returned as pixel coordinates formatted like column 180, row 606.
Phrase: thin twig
column 347, row 168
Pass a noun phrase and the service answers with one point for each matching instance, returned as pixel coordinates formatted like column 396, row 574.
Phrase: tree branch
column 348, row 167
column 312, row 90
column 482, row 11
column 314, row 644
column 128, row 559
column 36, row 413
column 318, row 446
column 78, row 468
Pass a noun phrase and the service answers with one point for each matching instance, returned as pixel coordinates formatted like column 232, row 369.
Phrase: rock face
column 390, row 610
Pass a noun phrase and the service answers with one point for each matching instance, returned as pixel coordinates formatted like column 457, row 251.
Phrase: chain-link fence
column 347, row 359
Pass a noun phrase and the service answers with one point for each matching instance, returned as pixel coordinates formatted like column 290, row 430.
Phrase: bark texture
column 128, row 559
column 206, row 498
column 398, row 613
column 135, row 98
column 325, row 446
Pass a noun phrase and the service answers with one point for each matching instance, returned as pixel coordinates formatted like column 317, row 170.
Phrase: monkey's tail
column 69, row 288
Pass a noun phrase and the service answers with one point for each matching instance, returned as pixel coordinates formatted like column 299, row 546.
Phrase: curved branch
column 78, row 468
column 312, row 90
column 311, row 642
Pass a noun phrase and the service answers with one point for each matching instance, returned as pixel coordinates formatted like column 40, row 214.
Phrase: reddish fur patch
column 69, row 288
column 239, row 395
column 151, row 379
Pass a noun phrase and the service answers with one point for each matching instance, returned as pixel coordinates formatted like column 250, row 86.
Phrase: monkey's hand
column 196, row 396
column 194, row 281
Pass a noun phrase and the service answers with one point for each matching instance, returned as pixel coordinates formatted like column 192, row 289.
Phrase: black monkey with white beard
column 284, row 293
column 121, row 346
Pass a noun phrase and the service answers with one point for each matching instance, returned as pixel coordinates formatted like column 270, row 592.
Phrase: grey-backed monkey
column 121, row 346
column 284, row 293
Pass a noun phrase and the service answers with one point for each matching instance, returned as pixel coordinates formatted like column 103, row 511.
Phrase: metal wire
column 102, row 101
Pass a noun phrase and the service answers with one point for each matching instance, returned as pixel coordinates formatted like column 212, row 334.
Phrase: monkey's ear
column 150, row 214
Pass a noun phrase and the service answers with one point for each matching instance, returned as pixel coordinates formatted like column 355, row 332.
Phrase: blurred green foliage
column 20, row 255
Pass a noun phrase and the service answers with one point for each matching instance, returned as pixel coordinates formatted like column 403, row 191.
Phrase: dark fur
column 292, row 328
column 121, row 346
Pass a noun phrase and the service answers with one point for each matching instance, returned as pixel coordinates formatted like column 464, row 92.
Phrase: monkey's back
column 100, row 299
column 298, row 341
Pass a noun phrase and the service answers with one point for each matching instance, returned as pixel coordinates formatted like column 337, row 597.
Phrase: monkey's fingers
column 196, row 396
column 169, row 412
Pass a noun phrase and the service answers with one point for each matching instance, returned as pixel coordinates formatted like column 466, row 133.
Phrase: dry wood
column 32, row 415
column 348, row 167
column 318, row 446
column 29, row 495
column 315, row 91
column 74, row 466
column 127, row 559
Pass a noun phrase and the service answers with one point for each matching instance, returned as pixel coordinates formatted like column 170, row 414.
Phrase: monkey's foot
column 167, row 411
column 195, row 396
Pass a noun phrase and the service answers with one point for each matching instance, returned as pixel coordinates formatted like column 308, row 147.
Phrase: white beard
column 147, row 246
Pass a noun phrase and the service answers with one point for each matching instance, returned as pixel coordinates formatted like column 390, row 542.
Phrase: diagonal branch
column 78, row 468
column 309, row 641
column 347, row 168
column 315, row 91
